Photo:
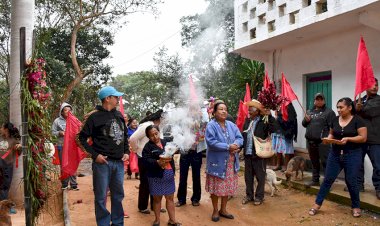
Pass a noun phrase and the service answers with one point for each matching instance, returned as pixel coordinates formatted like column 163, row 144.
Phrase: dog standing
column 272, row 181
column 295, row 164
column 5, row 218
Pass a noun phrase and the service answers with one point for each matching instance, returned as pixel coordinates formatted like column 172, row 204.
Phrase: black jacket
column 108, row 132
column 262, row 130
column 371, row 115
column 289, row 128
column 319, row 125
column 150, row 154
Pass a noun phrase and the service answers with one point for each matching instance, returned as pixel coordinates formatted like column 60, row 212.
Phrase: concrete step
column 368, row 199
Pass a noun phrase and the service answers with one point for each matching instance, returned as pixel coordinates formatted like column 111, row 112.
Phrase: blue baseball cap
column 108, row 91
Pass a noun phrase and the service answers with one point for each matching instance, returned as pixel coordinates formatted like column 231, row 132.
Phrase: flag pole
column 303, row 109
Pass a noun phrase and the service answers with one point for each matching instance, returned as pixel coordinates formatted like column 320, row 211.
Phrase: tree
column 84, row 14
column 21, row 16
column 210, row 37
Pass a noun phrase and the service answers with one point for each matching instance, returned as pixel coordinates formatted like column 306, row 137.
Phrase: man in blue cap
column 106, row 127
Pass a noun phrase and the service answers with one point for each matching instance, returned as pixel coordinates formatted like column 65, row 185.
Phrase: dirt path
column 287, row 207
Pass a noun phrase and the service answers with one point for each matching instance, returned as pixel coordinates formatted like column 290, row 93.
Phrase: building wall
column 270, row 18
column 336, row 53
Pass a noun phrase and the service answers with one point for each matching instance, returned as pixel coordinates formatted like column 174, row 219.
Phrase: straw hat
column 255, row 103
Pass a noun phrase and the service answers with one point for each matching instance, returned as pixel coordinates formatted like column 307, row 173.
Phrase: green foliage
column 210, row 37
column 4, row 102
column 54, row 45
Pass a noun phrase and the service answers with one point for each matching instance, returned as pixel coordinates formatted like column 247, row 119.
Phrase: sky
column 136, row 42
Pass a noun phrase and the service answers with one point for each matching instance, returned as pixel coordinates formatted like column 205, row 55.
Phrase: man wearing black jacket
column 317, row 122
column 369, row 110
column 106, row 127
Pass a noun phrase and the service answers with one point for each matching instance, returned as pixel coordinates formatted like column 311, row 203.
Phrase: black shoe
column 257, row 202
column 312, row 183
column 378, row 194
column 195, row 203
column 178, row 204
column 215, row 219
column 146, row 211
column 228, row 216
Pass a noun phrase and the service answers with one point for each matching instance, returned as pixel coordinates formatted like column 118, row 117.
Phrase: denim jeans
column 72, row 180
column 350, row 162
column 195, row 160
column 110, row 176
column 373, row 152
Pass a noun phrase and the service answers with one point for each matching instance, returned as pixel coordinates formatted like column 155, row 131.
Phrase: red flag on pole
column 365, row 78
column 286, row 91
column 193, row 94
column 121, row 105
column 71, row 154
column 241, row 116
column 266, row 81
column 247, row 98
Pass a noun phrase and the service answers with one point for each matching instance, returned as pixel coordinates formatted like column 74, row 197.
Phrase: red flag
column 193, row 94
column 286, row 91
column 266, row 81
column 365, row 78
column 71, row 154
column 121, row 105
column 247, row 98
column 241, row 116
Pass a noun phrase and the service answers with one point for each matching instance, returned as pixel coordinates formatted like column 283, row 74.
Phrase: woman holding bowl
column 223, row 145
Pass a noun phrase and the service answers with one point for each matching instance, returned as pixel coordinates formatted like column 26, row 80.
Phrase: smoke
column 183, row 123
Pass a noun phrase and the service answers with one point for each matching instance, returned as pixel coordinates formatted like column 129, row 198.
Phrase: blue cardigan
column 217, row 148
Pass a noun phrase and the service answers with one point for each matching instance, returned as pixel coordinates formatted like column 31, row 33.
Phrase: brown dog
column 5, row 206
column 295, row 164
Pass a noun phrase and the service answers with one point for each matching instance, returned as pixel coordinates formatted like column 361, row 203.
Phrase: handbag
column 263, row 148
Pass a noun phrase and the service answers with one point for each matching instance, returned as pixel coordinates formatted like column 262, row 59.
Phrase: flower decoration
column 270, row 99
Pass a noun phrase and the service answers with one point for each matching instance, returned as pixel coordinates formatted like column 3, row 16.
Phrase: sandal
column 313, row 211
column 174, row 223
column 356, row 213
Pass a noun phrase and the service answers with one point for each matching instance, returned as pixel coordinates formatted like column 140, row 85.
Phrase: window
column 245, row 7
column 306, row 3
column 271, row 26
column 293, row 17
column 252, row 33
column 321, row 6
column 252, row 13
column 270, row 4
column 262, row 19
column 245, row 27
column 281, row 10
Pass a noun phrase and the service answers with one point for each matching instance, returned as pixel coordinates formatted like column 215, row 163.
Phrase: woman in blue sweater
column 223, row 145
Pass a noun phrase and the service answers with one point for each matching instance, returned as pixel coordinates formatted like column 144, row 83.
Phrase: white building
column 314, row 42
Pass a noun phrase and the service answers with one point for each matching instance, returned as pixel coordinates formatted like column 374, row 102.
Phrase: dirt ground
column 287, row 207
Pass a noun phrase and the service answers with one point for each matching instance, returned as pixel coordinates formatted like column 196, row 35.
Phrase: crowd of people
column 350, row 136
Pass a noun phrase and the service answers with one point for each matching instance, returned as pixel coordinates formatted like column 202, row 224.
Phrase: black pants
column 6, row 178
column 254, row 167
column 313, row 148
column 195, row 160
column 144, row 193
column 373, row 152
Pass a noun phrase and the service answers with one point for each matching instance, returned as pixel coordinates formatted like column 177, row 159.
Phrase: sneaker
column 146, row 211
column 65, row 187
column 75, row 188
column 312, row 183
column 163, row 210
column 257, row 202
column 179, row 204
column 246, row 200
column 195, row 203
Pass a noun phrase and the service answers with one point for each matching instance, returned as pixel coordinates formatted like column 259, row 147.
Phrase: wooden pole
column 303, row 109
column 24, row 135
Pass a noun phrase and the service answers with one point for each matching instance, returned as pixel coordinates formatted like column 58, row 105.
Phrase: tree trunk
column 21, row 16
column 79, row 75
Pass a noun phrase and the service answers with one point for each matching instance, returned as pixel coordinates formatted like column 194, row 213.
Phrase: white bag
column 263, row 147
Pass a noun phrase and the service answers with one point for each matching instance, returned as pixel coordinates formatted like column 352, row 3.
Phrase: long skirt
column 282, row 145
column 223, row 187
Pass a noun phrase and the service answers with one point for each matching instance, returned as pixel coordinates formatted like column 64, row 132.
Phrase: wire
column 147, row 51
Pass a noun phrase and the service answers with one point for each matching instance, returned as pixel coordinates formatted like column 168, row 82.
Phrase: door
column 318, row 83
